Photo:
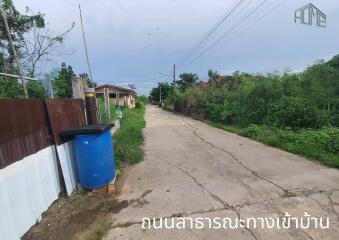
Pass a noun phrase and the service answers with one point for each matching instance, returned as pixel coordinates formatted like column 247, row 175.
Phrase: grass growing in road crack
column 129, row 138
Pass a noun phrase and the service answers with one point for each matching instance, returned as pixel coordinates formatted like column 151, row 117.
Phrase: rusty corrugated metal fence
column 64, row 114
column 27, row 125
column 23, row 129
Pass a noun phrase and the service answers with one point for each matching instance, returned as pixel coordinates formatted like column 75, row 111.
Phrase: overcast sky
column 133, row 41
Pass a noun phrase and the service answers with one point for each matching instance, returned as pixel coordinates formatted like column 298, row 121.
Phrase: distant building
column 116, row 95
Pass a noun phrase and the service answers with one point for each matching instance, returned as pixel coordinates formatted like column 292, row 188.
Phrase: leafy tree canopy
column 213, row 75
column 10, row 88
column 165, row 91
column 19, row 25
column 62, row 84
column 35, row 89
column 187, row 80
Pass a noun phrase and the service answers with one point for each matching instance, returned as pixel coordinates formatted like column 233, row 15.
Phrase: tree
column 35, row 89
column 62, row 84
column 39, row 43
column 165, row 91
column 142, row 99
column 33, row 42
column 187, row 80
column 10, row 88
column 213, row 75
column 19, row 25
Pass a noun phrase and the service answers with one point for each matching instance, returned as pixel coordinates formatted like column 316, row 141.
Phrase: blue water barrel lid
column 86, row 130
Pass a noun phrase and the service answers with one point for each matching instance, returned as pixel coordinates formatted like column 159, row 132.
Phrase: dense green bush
column 10, row 88
column 252, row 131
column 320, row 144
column 139, row 104
column 142, row 99
column 306, row 100
column 129, row 138
column 298, row 112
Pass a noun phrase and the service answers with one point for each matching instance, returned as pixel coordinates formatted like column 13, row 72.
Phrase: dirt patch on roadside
column 84, row 216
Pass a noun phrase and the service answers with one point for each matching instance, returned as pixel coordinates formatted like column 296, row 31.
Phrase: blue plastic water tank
column 94, row 159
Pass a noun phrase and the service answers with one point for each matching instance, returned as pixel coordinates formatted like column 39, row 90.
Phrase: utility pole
column 85, row 45
column 50, row 88
column 160, row 92
column 174, row 80
column 3, row 13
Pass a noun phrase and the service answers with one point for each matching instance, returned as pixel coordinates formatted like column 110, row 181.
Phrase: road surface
column 192, row 170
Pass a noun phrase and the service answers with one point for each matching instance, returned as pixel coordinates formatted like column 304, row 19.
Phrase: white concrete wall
column 27, row 188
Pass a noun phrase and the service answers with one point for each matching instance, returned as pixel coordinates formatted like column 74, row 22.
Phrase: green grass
column 227, row 128
column 103, row 226
column 316, row 144
column 129, row 138
column 104, row 116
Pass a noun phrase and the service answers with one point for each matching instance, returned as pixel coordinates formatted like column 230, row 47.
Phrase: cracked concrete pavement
column 192, row 169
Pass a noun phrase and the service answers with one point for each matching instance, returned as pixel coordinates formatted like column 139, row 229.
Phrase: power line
column 166, row 76
column 227, row 33
column 249, row 23
column 85, row 45
column 241, row 28
column 247, row 26
column 212, row 30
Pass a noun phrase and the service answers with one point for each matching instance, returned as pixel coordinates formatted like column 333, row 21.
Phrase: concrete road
column 192, row 170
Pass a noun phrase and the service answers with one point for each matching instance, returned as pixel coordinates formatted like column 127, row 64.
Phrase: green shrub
column 104, row 116
column 271, row 140
column 142, row 99
column 321, row 144
column 10, row 88
column 139, row 104
column 129, row 138
column 318, row 144
column 332, row 140
column 252, row 131
column 296, row 112
column 305, row 100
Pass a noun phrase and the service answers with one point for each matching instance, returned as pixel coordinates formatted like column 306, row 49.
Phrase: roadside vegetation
column 318, row 144
column 105, row 116
column 129, row 138
column 298, row 112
